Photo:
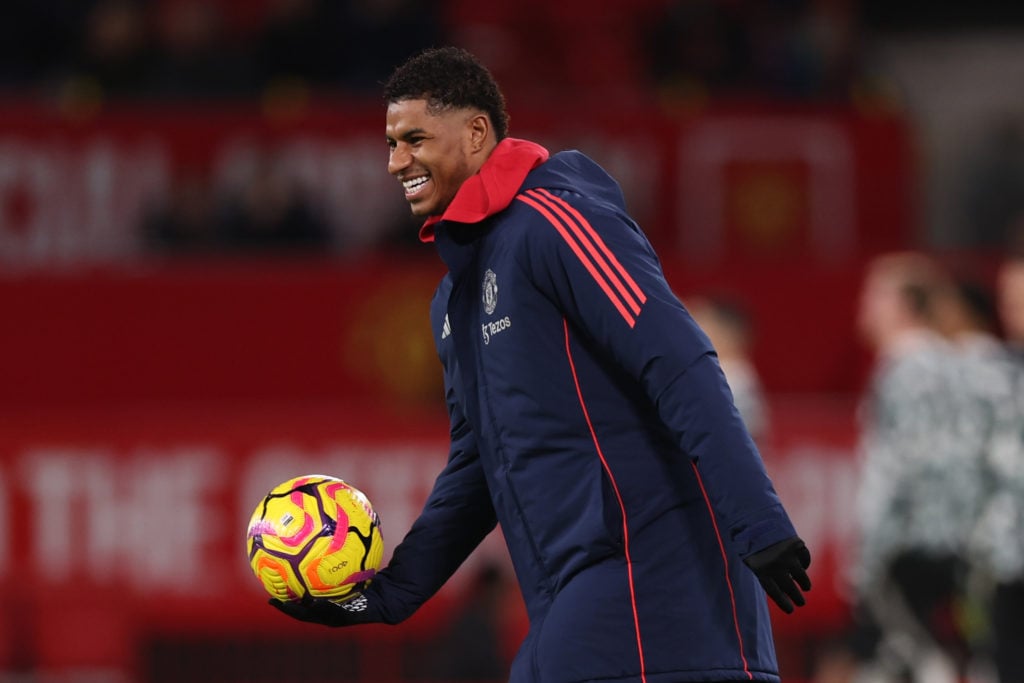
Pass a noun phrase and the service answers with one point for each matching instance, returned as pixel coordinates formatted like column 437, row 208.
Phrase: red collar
column 493, row 187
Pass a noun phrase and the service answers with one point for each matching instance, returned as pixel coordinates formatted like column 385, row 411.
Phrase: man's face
column 879, row 311
column 432, row 154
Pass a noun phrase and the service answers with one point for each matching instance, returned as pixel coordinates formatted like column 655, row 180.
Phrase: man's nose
column 398, row 160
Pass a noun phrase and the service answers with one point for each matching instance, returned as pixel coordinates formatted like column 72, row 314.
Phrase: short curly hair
column 449, row 78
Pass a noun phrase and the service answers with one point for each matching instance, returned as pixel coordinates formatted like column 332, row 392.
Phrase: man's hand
column 781, row 568
column 325, row 612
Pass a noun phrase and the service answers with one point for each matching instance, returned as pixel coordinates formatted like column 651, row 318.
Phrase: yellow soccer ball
column 314, row 535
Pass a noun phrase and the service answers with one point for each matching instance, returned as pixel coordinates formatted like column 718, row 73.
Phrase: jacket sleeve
column 598, row 267
column 457, row 516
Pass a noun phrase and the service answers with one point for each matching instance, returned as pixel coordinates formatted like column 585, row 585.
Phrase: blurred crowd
column 234, row 49
column 197, row 49
column 790, row 49
column 268, row 210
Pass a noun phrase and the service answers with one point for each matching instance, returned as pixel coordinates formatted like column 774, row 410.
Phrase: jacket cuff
column 770, row 526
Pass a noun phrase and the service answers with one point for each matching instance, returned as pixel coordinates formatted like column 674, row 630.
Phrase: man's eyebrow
column 412, row 132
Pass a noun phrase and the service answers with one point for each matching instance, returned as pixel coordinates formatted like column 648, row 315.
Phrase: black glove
column 325, row 612
column 781, row 569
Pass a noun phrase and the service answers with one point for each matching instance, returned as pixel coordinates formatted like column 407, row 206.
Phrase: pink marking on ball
column 341, row 530
column 301, row 535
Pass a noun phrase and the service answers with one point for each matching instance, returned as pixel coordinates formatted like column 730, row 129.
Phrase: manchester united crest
column 490, row 291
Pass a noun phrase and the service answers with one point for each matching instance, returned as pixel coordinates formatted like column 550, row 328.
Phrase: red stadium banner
column 817, row 183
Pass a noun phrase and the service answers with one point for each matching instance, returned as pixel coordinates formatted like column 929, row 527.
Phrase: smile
column 414, row 185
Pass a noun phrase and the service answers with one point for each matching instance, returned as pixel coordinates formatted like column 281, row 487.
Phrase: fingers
column 786, row 588
column 804, row 555
column 801, row 578
column 292, row 609
column 794, row 579
column 777, row 595
column 279, row 605
column 310, row 611
column 793, row 591
column 798, row 569
column 782, row 570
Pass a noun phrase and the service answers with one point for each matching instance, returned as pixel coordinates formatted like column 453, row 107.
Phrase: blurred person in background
column 999, row 536
column 268, row 212
column 991, row 384
column 589, row 416
column 920, row 481
column 727, row 323
column 1010, row 296
column 966, row 314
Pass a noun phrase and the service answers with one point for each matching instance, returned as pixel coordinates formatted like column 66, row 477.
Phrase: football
column 316, row 536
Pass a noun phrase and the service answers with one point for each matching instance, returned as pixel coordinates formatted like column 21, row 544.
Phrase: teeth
column 414, row 184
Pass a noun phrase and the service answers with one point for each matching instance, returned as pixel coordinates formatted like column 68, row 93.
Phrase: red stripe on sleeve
column 585, row 224
column 598, row 277
column 588, row 242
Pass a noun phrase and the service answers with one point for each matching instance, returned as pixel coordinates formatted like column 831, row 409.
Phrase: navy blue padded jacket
column 591, row 420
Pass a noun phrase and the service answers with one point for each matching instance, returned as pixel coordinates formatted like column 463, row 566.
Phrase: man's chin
column 419, row 209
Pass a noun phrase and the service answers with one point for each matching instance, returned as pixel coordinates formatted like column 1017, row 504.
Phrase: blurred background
column 209, row 283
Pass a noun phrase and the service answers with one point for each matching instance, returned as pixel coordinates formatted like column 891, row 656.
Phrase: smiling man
column 589, row 415
column 439, row 141
column 433, row 155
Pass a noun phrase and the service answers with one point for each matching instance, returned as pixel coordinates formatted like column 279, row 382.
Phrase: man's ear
column 480, row 133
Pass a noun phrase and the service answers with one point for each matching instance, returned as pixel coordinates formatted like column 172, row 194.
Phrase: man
column 588, row 415
column 728, row 325
column 999, row 536
column 921, row 487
